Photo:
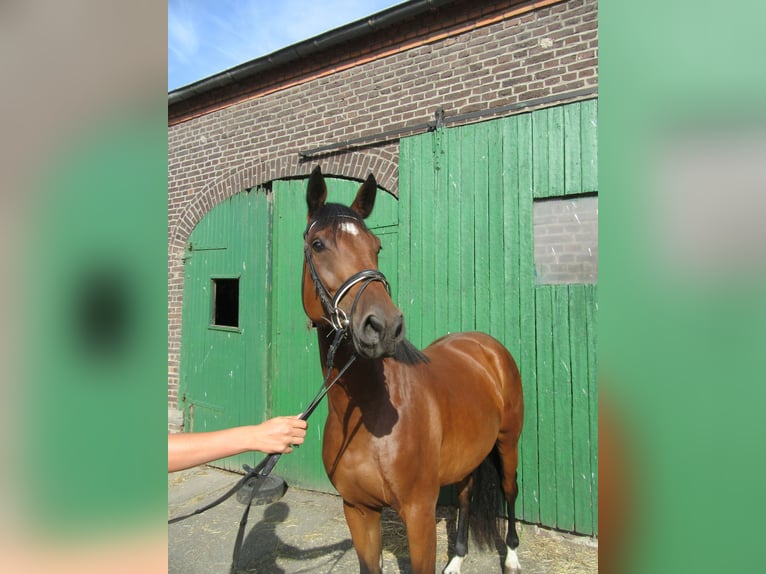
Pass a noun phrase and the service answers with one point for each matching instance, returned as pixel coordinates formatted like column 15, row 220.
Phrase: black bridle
column 340, row 322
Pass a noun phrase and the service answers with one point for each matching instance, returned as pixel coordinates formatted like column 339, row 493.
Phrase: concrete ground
column 306, row 532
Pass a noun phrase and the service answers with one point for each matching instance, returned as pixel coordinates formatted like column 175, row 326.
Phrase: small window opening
column 226, row 302
column 566, row 240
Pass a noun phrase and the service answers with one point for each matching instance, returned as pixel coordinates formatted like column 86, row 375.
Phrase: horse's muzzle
column 377, row 333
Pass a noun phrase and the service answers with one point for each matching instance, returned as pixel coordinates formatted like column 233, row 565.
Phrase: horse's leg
column 420, row 520
column 364, row 524
column 461, row 540
column 509, row 455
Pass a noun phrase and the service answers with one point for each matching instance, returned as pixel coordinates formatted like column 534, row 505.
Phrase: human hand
column 278, row 435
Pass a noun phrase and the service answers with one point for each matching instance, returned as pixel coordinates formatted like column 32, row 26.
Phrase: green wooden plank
column 386, row 211
column 508, row 208
column 388, row 261
column 454, row 323
column 480, row 188
column 572, row 149
column 495, row 232
column 405, row 277
column 522, row 219
column 589, row 145
column 546, row 404
column 562, row 395
column 439, row 248
column 505, row 210
column 467, row 230
column 581, row 447
column 592, row 331
column 255, row 311
column 555, row 151
column 504, row 232
column 426, row 252
column 442, row 207
column 190, row 345
column 416, row 302
column 540, row 150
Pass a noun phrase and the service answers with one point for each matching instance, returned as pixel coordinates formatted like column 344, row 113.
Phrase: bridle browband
column 336, row 316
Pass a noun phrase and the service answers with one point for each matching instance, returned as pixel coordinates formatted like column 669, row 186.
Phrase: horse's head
column 341, row 282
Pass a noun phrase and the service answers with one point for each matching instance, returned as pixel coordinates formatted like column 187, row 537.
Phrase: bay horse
column 402, row 423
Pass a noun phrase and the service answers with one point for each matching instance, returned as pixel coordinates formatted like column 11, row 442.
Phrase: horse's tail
column 486, row 500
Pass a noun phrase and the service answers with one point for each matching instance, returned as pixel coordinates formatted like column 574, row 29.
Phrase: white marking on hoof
column 454, row 565
column 512, row 565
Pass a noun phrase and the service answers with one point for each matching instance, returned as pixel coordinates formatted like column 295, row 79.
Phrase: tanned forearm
column 186, row 450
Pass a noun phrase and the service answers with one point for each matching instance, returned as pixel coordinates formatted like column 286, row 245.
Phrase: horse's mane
column 409, row 354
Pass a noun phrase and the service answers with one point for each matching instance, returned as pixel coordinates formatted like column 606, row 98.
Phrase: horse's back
column 476, row 349
column 473, row 387
column 468, row 338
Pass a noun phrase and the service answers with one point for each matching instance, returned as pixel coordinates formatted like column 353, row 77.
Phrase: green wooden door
column 296, row 373
column 466, row 262
column 227, row 318
column 268, row 364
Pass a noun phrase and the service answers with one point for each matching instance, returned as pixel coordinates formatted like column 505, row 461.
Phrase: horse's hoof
column 454, row 565
column 511, row 565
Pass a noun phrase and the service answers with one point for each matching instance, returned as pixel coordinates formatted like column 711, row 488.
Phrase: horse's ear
column 316, row 192
column 365, row 197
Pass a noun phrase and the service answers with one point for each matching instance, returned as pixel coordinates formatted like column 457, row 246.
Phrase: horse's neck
column 363, row 380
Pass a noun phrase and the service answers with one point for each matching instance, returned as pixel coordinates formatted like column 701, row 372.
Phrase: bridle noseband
column 331, row 303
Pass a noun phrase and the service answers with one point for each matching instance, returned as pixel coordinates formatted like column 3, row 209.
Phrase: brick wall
column 468, row 57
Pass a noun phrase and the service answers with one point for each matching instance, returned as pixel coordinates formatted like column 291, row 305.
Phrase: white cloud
column 183, row 39
column 205, row 38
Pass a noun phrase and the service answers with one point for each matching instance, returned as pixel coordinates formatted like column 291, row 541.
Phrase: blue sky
column 208, row 36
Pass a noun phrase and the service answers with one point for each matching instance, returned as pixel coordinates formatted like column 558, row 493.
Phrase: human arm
column 186, row 450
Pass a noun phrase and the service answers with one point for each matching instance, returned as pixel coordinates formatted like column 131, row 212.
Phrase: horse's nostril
column 373, row 326
column 399, row 330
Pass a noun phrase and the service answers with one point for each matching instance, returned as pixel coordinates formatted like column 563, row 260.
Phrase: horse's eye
column 317, row 245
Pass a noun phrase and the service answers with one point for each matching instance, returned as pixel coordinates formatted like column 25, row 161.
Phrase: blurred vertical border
column 83, row 213
column 682, row 337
